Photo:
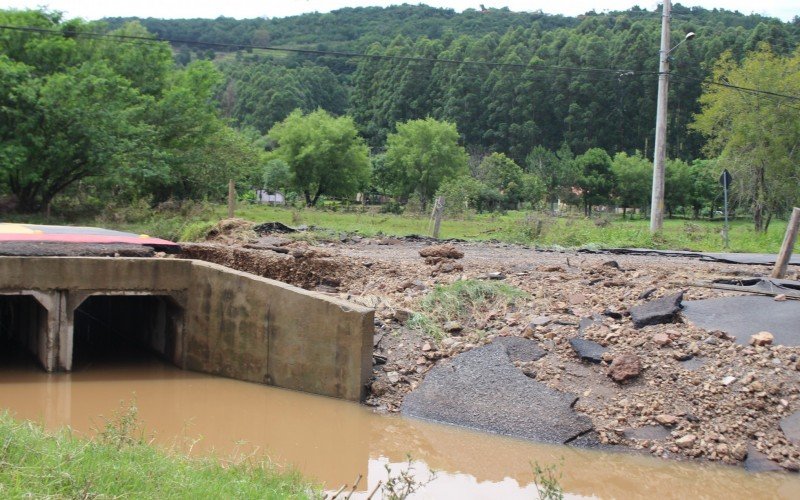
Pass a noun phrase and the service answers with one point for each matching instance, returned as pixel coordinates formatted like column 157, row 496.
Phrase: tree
column 596, row 180
column 704, row 177
column 325, row 154
column 63, row 128
column 677, row 186
column 634, row 177
column 756, row 136
column 556, row 171
column 424, row 153
column 277, row 175
column 502, row 174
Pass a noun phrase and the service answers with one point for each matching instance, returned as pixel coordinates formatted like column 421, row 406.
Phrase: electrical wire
column 146, row 39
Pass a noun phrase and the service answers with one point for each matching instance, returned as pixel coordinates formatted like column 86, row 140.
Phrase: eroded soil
column 698, row 395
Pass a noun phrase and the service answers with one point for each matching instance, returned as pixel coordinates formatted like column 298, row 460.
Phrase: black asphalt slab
column 747, row 315
column 58, row 249
column 482, row 389
column 728, row 258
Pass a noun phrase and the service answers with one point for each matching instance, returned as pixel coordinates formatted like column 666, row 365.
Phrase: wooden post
column 231, row 198
column 782, row 262
column 438, row 211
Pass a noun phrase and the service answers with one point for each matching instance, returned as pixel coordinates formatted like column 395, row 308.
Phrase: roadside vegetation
column 119, row 462
column 95, row 129
column 464, row 305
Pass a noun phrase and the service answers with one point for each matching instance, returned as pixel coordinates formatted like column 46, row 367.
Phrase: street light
column 688, row 37
column 659, row 154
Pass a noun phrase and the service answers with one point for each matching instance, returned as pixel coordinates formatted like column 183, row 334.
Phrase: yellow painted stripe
column 10, row 228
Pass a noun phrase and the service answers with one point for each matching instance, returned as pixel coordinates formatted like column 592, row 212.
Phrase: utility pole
column 660, row 151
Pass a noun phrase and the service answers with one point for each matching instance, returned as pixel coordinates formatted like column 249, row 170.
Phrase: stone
column 739, row 452
column 728, row 380
column 482, row 389
column 540, row 321
column 427, row 347
column 791, row 427
column 645, row 294
column 393, row 377
column 576, row 299
column 780, row 298
column 686, row 441
column 588, row 350
column 667, row 420
column 624, row 367
column 402, row 315
column 379, row 388
column 496, row 276
column 661, row 339
column 658, row 311
column 453, row 327
column 761, row 339
column 648, row 432
column 441, row 252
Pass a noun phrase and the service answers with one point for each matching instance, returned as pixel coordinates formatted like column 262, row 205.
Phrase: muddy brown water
column 332, row 441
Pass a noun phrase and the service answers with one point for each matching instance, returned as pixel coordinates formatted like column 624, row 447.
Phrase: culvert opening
column 125, row 328
column 23, row 329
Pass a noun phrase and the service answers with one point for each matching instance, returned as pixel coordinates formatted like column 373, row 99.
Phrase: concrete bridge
column 200, row 316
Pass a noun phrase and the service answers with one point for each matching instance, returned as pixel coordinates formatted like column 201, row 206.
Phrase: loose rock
column 762, row 339
column 656, row 312
column 624, row 367
column 588, row 350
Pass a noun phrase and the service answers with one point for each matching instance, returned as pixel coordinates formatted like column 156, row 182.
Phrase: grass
column 537, row 229
column 471, row 303
column 118, row 462
column 524, row 227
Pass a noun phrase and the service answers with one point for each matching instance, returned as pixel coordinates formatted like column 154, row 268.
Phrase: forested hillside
column 568, row 104
column 588, row 81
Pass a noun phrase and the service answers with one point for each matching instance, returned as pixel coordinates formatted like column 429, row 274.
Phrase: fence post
column 438, row 211
column 782, row 262
column 231, row 198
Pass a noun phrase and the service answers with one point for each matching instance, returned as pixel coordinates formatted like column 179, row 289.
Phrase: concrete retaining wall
column 224, row 322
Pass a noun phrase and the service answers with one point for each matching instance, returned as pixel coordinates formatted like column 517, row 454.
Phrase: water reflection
column 333, row 441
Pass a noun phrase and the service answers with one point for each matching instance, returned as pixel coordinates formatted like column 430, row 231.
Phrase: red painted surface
column 86, row 238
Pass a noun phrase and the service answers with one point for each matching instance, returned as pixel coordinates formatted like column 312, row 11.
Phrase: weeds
column 119, row 463
column 402, row 485
column 471, row 303
column 547, row 480
column 124, row 428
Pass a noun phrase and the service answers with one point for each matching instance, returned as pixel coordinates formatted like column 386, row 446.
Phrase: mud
column 332, row 442
column 720, row 398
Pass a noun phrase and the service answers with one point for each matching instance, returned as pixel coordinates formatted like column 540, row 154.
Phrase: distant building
column 275, row 198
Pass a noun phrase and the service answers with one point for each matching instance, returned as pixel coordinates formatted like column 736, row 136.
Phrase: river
column 332, row 441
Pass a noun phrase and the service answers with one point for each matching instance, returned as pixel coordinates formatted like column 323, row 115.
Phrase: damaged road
column 671, row 387
column 482, row 389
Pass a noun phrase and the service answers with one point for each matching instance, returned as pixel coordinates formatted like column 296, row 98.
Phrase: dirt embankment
column 690, row 393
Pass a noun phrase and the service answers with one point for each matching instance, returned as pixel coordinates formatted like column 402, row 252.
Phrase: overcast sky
column 95, row 9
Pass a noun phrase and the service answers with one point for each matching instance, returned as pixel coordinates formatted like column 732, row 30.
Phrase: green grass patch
column 118, row 462
column 190, row 222
column 471, row 303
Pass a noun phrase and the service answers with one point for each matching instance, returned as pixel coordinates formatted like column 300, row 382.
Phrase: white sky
column 95, row 9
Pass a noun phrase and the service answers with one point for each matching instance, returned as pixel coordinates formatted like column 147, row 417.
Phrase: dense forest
column 546, row 93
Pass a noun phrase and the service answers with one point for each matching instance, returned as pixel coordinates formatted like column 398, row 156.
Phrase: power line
column 492, row 64
column 750, row 90
column 146, row 39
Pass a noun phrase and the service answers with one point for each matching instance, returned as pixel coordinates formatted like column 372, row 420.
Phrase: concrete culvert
column 23, row 329
column 125, row 327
